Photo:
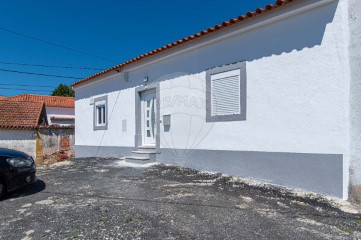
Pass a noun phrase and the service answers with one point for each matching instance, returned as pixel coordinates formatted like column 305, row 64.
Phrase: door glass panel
column 148, row 121
column 152, row 118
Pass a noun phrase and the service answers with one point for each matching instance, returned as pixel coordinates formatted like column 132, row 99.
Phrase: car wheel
column 2, row 189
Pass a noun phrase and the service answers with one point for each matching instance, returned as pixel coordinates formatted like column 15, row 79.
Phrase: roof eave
column 225, row 24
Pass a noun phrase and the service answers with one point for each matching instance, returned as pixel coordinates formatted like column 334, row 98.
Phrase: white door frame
column 152, row 87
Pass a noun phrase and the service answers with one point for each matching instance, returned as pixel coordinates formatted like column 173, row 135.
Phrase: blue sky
column 113, row 30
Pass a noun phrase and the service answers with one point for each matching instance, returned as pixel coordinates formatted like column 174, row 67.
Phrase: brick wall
column 58, row 143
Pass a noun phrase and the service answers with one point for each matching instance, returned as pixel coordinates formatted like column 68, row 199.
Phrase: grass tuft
column 347, row 230
column 128, row 220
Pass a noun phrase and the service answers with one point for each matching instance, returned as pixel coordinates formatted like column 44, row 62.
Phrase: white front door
column 148, row 118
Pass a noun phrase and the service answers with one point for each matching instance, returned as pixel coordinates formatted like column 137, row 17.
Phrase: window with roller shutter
column 226, row 93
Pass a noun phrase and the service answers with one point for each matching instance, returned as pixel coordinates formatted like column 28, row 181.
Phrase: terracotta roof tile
column 239, row 19
column 21, row 114
column 61, row 118
column 57, row 127
column 50, row 101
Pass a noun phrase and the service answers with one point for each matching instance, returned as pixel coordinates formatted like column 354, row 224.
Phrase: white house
column 60, row 110
column 273, row 95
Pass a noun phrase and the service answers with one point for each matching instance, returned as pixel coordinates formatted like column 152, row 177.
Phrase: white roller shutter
column 225, row 93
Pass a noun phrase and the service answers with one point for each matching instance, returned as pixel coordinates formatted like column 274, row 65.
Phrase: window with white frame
column 226, row 93
column 100, row 113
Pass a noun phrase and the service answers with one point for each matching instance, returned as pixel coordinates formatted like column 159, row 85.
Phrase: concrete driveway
column 105, row 199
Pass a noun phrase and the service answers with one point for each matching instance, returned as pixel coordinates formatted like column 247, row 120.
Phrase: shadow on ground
column 34, row 188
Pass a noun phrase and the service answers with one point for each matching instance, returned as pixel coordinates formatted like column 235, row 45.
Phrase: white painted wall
column 21, row 140
column 355, row 99
column 297, row 87
column 120, row 106
column 60, row 112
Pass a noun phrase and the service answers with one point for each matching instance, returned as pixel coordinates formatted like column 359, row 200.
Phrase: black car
column 17, row 169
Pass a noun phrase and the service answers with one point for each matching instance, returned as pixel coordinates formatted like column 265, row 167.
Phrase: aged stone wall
column 355, row 99
column 57, row 143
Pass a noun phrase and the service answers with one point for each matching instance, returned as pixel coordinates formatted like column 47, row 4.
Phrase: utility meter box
column 166, row 120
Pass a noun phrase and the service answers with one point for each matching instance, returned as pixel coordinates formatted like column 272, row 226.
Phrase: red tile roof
column 57, row 127
column 50, row 101
column 21, row 114
column 2, row 97
column 225, row 24
column 61, row 118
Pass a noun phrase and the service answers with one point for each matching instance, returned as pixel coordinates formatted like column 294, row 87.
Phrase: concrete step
column 138, row 160
column 147, row 149
column 147, row 146
column 143, row 153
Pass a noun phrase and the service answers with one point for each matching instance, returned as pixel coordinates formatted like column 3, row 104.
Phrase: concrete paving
column 105, row 199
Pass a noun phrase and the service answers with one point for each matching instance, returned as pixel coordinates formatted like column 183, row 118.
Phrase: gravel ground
column 105, row 199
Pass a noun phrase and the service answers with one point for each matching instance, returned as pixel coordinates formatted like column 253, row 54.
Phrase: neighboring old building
column 19, row 121
column 60, row 110
column 273, row 95
column 24, row 127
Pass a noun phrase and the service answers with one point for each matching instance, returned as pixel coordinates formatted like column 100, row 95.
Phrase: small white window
column 226, row 93
column 100, row 113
